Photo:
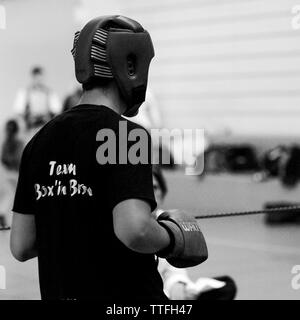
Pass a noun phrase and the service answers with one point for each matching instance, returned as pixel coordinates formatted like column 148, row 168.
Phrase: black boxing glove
column 187, row 244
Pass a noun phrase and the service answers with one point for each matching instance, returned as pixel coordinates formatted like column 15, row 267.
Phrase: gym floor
column 258, row 257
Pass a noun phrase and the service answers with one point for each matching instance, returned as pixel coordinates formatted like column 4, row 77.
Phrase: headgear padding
column 115, row 47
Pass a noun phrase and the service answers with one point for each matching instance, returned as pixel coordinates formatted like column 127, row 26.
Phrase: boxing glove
column 187, row 244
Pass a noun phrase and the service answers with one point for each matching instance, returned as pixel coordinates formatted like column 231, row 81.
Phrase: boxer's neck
column 108, row 96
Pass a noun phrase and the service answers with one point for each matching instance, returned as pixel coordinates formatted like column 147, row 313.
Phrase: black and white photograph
column 149, row 153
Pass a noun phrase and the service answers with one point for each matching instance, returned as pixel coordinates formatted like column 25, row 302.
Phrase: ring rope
column 4, row 228
column 246, row 213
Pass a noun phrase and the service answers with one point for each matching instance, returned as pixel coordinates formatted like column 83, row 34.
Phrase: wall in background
column 218, row 64
column 225, row 63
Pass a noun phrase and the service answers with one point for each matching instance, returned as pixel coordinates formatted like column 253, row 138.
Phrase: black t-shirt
column 72, row 197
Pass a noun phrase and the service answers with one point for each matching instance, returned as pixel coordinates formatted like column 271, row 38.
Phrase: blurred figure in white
column 36, row 103
column 149, row 115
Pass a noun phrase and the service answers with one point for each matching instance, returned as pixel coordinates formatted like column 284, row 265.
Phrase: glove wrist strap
column 166, row 252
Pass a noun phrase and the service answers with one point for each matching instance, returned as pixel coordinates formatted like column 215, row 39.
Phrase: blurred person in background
column 150, row 117
column 289, row 171
column 37, row 103
column 11, row 153
column 177, row 284
column 282, row 162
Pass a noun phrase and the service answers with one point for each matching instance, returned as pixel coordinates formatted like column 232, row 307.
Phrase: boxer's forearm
column 23, row 236
column 150, row 239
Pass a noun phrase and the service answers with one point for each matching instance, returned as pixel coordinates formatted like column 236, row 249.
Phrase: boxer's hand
column 188, row 247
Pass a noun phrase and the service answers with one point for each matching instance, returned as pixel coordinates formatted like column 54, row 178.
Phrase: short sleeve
column 24, row 201
column 131, row 181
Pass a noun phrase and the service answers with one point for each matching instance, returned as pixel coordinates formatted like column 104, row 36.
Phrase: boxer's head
column 114, row 48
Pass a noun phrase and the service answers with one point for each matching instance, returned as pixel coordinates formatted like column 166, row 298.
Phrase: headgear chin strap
column 115, row 47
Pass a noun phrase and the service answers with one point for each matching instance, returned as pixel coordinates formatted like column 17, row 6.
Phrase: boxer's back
column 79, row 254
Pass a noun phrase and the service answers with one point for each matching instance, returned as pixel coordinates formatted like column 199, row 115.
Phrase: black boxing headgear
column 115, row 47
